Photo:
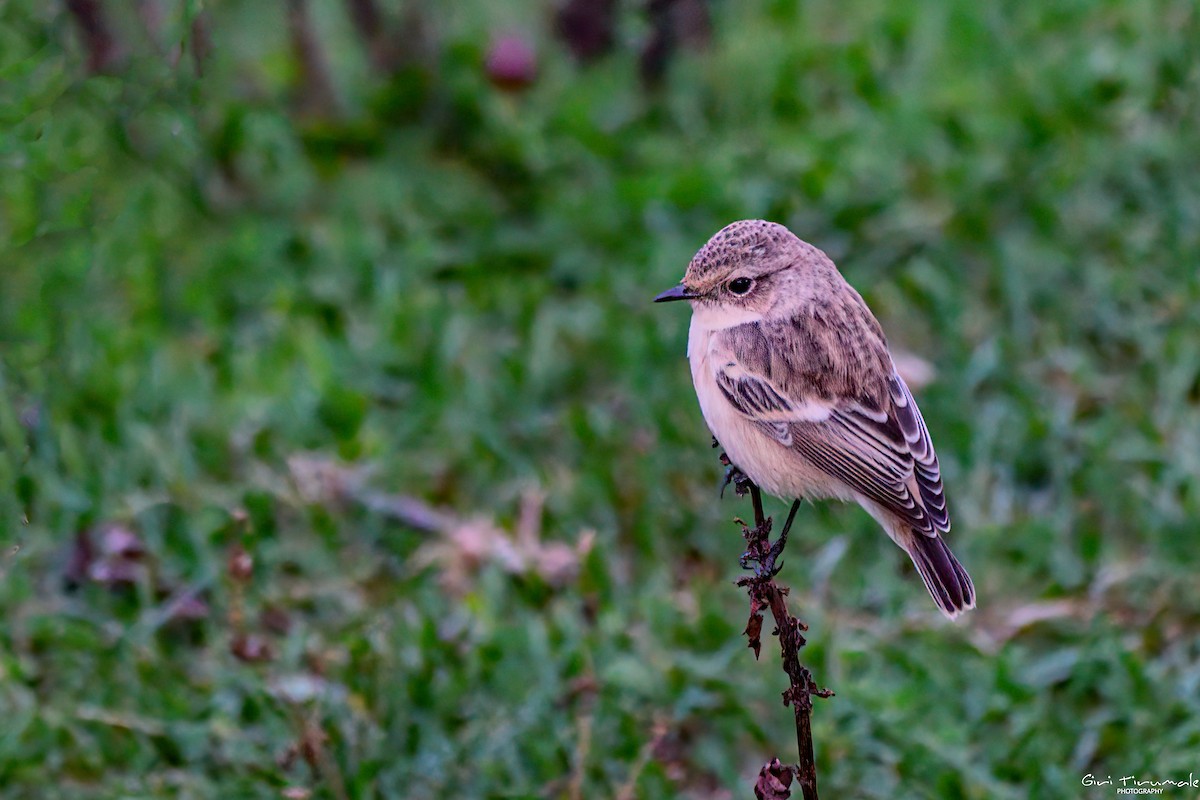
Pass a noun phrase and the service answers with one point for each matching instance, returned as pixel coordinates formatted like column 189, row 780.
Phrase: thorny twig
column 775, row 778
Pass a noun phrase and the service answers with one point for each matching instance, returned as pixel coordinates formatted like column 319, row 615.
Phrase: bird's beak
column 679, row 292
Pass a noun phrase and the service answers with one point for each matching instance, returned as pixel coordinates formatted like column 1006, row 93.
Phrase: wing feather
column 877, row 444
column 870, row 458
column 927, row 470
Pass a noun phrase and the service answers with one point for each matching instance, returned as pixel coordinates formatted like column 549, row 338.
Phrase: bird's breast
column 775, row 468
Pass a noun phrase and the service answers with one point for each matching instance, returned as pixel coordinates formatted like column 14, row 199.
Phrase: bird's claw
column 764, row 565
column 730, row 473
column 769, row 566
column 741, row 483
column 777, row 548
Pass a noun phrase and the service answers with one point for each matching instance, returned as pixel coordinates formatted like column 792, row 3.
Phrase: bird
column 796, row 382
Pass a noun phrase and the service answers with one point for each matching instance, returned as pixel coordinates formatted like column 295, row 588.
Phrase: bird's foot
column 734, row 475
column 776, row 547
column 764, row 566
column 762, row 554
column 757, row 558
column 770, row 568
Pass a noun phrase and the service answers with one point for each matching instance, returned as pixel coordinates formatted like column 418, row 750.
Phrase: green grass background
column 447, row 287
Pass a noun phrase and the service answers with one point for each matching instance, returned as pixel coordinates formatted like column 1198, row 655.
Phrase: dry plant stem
column 315, row 93
column 102, row 47
column 764, row 594
column 201, row 42
column 582, row 748
column 657, row 733
column 369, row 22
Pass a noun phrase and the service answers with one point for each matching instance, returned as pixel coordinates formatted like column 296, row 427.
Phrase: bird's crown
column 737, row 243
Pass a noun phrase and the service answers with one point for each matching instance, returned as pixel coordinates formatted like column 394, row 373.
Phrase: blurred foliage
column 218, row 273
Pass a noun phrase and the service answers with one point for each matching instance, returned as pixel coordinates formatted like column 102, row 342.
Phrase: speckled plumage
column 796, row 382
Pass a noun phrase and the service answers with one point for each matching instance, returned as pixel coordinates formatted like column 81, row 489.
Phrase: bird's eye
column 740, row 285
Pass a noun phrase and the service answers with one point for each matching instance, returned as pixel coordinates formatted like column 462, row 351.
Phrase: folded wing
column 877, row 445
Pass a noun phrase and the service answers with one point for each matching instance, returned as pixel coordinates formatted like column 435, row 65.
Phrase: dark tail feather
column 948, row 583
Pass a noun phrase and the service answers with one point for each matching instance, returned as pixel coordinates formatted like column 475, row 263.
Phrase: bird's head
column 739, row 275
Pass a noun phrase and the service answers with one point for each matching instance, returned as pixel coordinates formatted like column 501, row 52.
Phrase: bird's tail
column 946, row 579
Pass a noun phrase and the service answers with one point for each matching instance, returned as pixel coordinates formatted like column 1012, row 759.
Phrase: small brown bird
column 796, row 382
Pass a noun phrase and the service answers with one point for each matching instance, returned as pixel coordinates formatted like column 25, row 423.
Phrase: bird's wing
column 883, row 454
column 869, row 436
column 926, row 469
column 756, row 396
